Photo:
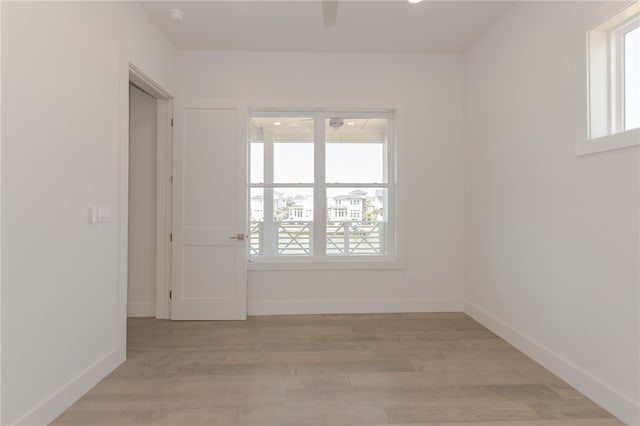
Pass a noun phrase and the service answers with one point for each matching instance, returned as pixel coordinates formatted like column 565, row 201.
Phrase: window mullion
column 390, row 193
column 319, row 191
column 270, row 228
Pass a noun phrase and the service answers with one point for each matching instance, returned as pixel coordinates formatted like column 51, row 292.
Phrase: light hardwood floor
column 402, row 369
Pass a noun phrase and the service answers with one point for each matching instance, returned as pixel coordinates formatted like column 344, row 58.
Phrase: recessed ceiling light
column 414, row 1
column 350, row 123
column 276, row 123
column 176, row 15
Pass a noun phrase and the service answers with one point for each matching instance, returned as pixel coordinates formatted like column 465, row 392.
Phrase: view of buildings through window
column 298, row 167
column 355, row 205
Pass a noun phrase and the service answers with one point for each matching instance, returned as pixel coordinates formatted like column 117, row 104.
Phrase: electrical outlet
column 410, row 278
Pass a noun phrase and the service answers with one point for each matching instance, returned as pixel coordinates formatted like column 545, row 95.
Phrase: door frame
column 164, row 143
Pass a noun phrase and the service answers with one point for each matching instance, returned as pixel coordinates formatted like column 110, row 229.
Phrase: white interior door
column 209, row 273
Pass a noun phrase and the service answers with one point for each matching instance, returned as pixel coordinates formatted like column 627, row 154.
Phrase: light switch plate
column 93, row 215
column 104, row 213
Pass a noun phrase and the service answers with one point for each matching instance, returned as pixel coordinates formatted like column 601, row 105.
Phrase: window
column 631, row 95
column 319, row 185
column 613, row 83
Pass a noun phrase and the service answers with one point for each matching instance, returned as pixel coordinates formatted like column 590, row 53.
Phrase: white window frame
column 618, row 75
column 319, row 259
column 600, row 94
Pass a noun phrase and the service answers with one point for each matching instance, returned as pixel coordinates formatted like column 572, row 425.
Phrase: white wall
column 141, row 290
column 64, row 121
column 551, row 239
column 428, row 90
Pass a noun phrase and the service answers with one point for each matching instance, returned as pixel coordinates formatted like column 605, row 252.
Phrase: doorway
column 141, row 272
column 149, row 198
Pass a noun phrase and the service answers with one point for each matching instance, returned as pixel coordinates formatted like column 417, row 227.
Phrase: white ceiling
column 296, row 26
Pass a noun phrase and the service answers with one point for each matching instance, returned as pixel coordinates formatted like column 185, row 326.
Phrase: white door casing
column 209, row 272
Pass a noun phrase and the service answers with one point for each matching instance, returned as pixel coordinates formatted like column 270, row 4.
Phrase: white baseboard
column 146, row 309
column 50, row 408
column 352, row 306
column 616, row 403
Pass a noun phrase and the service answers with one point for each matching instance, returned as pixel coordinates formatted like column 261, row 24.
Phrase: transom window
column 319, row 185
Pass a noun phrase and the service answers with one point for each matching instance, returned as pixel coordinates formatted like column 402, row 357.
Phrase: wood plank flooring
column 400, row 369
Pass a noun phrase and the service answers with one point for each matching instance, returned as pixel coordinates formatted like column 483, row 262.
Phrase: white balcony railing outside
column 295, row 239
column 355, row 238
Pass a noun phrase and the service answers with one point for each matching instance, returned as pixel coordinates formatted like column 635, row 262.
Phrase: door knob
column 239, row 237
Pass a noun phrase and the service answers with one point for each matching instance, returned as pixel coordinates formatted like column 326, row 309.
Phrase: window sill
column 328, row 264
column 607, row 143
